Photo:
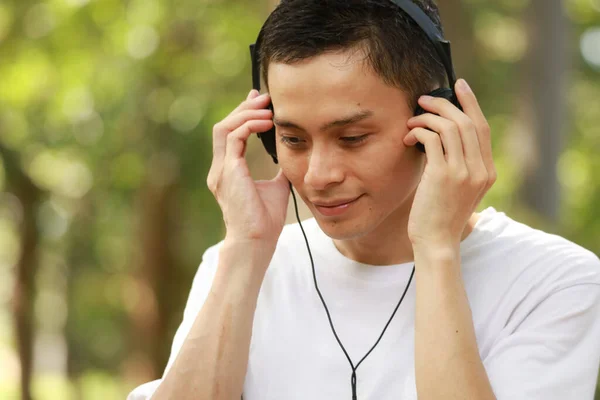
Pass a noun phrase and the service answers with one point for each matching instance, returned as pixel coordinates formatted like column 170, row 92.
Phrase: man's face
column 339, row 140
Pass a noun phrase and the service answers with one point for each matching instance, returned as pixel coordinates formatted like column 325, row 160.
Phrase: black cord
column 353, row 376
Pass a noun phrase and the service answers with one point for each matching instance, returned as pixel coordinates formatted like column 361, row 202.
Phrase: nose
column 323, row 170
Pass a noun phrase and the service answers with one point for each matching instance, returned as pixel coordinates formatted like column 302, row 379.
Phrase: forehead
column 340, row 71
column 330, row 84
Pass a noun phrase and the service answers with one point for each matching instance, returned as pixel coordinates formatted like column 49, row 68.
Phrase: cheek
column 397, row 169
column 293, row 168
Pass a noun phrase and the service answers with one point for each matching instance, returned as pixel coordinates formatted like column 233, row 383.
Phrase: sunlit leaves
column 186, row 112
column 96, row 94
column 27, row 78
column 6, row 20
column 142, row 41
column 502, row 37
column 14, row 127
column 582, row 11
column 39, row 21
column 127, row 171
column 62, row 172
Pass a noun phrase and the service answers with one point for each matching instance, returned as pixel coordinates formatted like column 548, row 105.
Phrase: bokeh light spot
column 142, row 41
column 61, row 173
column 144, row 12
column 227, row 59
column 78, row 104
column 590, row 46
column 76, row 3
column 39, row 21
column 185, row 113
column 503, row 37
column 158, row 104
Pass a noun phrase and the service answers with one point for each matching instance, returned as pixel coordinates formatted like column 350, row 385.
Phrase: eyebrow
column 338, row 123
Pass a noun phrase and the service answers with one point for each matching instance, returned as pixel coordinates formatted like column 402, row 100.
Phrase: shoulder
column 534, row 255
column 562, row 258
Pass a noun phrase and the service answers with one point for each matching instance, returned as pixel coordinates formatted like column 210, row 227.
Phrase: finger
column 232, row 122
column 252, row 94
column 466, row 130
column 432, row 143
column 236, row 140
column 448, row 131
column 253, row 102
column 471, row 108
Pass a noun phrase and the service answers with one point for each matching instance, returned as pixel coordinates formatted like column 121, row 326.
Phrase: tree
column 543, row 105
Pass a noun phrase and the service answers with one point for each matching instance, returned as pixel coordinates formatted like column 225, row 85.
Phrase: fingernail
column 464, row 86
column 426, row 98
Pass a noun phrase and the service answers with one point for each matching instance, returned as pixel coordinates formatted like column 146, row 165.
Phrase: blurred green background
column 106, row 112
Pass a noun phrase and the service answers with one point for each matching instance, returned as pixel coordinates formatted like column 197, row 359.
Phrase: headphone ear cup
column 268, row 140
column 444, row 93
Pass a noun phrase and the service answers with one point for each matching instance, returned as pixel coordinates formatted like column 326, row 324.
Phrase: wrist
column 440, row 256
column 249, row 253
column 242, row 267
column 437, row 250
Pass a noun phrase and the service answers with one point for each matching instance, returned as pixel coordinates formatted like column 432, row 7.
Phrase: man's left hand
column 457, row 176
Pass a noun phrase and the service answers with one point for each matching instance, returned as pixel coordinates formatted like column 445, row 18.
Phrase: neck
column 388, row 244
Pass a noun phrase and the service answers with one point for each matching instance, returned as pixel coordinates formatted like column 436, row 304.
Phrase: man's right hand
column 251, row 210
column 212, row 361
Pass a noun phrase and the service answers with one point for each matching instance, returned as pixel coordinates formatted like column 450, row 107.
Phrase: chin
column 365, row 221
column 345, row 229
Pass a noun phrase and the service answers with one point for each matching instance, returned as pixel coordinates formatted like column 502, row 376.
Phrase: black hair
column 395, row 47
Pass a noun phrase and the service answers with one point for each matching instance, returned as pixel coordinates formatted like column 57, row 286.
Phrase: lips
column 332, row 204
column 335, row 208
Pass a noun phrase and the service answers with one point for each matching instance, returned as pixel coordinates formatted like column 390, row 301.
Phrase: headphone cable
column 354, row 368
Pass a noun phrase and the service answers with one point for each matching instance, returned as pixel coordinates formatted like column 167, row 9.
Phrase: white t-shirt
column 534, row 299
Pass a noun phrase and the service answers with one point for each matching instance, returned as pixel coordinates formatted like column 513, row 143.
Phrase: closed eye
column 294, row 141
column 354, row 139
column 291, row 140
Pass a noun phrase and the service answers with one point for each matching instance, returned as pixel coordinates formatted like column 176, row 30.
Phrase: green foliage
column 102, row 99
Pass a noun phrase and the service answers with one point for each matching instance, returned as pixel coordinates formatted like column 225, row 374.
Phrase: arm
column 459, row 170
column 447, row 361
column 214, row 356
column 213, row 359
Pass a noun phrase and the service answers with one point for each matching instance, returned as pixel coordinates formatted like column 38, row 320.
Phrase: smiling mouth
column 335, row 204
column 335, row 209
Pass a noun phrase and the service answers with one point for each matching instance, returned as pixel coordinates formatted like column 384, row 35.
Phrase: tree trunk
column 155, row 271
column 458, row 29
column 79, row 253
column 543, row 105
column 24, row 290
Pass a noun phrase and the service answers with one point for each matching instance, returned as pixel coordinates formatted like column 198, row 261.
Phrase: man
column 496, row 310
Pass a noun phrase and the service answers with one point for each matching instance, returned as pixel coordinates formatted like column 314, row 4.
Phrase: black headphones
column 441, row 45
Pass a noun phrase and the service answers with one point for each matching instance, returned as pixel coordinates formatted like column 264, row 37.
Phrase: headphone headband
column 441, row 45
